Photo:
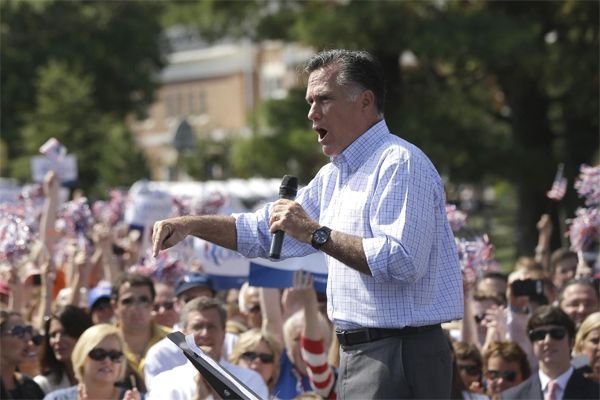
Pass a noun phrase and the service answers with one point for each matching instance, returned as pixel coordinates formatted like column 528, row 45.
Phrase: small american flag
column 559, row 186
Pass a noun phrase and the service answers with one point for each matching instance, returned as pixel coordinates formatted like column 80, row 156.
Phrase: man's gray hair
column 200, row 304
column 357, row 68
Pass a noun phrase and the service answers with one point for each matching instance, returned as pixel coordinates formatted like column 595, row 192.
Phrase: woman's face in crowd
column 469, row 372
column 591, row 348
column 502, row 375
column 16, row 346
column 105, row 370
column 253, row 360
column 61, row 343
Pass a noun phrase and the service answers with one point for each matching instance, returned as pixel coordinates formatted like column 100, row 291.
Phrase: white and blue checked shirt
column 387, row 191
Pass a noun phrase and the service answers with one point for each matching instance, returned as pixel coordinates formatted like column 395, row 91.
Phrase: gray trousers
column 415, row 366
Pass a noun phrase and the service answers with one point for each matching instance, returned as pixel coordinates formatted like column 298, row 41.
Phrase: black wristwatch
column 320, row 237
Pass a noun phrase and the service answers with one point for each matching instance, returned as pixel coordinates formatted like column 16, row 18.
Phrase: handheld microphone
column 287, row 190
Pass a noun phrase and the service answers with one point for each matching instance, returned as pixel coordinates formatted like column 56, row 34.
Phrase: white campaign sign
column 145, row 208
column 65, row 168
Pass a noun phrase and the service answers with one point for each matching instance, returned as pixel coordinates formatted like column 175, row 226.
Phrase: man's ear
column 367, row 99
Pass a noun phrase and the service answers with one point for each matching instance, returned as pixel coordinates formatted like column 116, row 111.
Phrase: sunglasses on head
column 509, row 376
column 540, row 334
column 167, row 305
column 263, row 357
column 142, row 301
column 99, row 354
column 470, row 369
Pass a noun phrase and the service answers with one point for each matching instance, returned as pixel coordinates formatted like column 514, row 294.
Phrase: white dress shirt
column 179, row 383
column 561, row 381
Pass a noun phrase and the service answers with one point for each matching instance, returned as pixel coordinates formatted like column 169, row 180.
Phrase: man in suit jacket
column 552, row 334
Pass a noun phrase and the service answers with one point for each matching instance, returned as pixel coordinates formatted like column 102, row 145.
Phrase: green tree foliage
column 283, row 143
column 113, row 48
column 66, row 110
column 499, row 90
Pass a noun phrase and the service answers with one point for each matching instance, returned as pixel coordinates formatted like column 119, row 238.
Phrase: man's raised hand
column 167, row 233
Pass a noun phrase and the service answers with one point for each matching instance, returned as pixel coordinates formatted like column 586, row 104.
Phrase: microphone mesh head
column 289, row 187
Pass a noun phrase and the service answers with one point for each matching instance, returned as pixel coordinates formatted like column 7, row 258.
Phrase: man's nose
column 313, row 112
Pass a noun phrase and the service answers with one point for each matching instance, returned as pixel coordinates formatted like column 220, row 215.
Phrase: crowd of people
column 84, row 315
column 102, row 332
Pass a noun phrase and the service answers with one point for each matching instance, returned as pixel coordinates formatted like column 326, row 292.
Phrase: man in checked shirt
column 378, row 211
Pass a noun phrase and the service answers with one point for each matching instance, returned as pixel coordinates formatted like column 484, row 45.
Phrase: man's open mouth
column 322, row 132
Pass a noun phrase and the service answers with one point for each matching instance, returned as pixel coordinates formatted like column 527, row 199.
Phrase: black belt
column 365, row 335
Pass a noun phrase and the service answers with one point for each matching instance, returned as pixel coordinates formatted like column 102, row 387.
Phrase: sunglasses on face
column 540, row 334
column 99, row 354
column 263, row 357
column 142, row 301
column 470, row 369
column 167, row 305
column 509, row 376
column 479, row 317
column 255, row 309
column 20, row 331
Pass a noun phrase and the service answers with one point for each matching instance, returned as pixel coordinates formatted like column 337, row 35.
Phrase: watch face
column 321, row 237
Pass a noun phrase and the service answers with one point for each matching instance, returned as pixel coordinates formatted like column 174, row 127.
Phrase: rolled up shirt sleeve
column 402, row 222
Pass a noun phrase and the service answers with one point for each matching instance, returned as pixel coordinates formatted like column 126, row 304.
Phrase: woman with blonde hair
column 261, row 352
column 99, row 364
column 587, row 343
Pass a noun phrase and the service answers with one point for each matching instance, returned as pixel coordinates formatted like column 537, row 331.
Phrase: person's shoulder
column 163, row 346
column 249, row 377
column 69, row 393
column 161, row 331
column 523, row 390
column 238, row 371
column 579, row 386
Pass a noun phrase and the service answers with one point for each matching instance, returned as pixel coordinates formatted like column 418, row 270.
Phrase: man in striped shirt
column 378, row 211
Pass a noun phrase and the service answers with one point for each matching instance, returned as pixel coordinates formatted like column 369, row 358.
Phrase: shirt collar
column 357, row 152
column 561, row 380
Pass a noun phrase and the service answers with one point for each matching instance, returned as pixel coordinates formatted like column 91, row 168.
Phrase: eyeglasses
column 470, row 369
column 263, row 357
column 167, row 305
column 509, row 376
column 99, row 354
column 143, row 301
column 540, row 334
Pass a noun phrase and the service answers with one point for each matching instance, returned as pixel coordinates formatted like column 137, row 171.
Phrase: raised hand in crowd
column 103, row 241
column 47, row 278
column 495, row 322
column 583, row 270
column 542, row 250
